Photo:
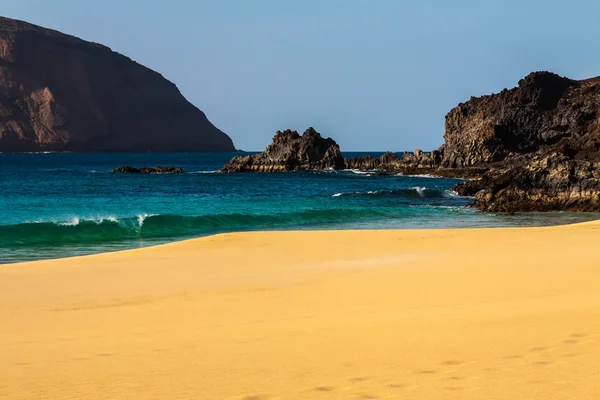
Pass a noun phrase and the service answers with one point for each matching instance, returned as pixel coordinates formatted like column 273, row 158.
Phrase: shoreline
column 292, row 231
column 466, row 313
column 74, row 250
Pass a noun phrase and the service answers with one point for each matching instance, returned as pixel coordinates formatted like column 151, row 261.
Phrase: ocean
column 67, row 204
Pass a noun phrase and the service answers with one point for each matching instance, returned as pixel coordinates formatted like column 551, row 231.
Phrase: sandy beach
column 422, row 314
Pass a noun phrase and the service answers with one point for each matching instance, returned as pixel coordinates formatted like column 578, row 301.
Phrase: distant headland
column 61, row 93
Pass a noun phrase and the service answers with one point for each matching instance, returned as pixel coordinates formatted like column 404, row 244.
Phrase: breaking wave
column 148, row 226
column 408, row 193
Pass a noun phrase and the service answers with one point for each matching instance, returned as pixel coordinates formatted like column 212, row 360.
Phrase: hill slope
column 60, row 93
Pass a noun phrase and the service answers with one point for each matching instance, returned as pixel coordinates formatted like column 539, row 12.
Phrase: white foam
column 73, row 222
column 361, row 172
column 428, row 176
column 142, row 217
column 203, row 172
column 101, row 219
column 421, row 190
column 351, row 193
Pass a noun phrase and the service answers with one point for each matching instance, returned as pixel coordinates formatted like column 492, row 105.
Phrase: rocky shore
column 535, row 147
column 290, row 151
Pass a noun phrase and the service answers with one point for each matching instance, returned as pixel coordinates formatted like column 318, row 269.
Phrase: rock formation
column 148, row 170
column 540, row 143
column 415, row 163
column 535, row 147
column 291, row 152
column 60, row 93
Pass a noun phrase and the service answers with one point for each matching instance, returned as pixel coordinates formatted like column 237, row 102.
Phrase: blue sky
column 372, row 74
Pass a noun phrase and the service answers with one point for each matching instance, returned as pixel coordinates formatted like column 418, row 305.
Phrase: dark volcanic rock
column 60, row 93
column 541, row 141
column 291, row 152
column 415, row 163
column 551, row 183
column 532, row 148
column 535, row 114
column 148, row 170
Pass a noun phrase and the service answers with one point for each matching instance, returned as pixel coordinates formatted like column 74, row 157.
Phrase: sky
column 372, row 74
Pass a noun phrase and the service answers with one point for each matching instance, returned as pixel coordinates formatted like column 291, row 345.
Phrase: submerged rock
column 290, row 151
column 148, row 170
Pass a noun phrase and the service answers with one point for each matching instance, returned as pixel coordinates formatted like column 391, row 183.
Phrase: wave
column 409, row 193
column 367, row 172
column 110, row 229
column 428, row 176
column 204, row 172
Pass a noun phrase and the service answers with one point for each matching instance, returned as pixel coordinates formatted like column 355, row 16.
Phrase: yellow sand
column 437, row 314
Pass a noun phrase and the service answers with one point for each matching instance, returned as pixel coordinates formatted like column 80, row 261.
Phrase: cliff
column 545, row 112
column 535, row 147
column 540, row 142
column 60, row 93
column 291, row 152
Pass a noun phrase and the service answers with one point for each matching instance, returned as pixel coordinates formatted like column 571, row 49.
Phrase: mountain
column 61, row 93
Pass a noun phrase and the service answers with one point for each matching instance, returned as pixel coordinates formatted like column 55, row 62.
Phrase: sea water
column 67, row 204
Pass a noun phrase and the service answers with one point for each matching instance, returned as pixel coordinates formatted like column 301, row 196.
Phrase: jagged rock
column 541, row 141
column 60, row 93
column 291, row 152
column 547, row 184
column 148, row 170
column 537, row 113
column 387, row 161
column 532, row 148
column 415, row 163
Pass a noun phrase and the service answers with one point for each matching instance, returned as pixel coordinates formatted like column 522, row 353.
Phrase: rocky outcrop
column 535, row 147
column 554, row 182
column 148, row 170
column 544, row 112
column 412, row 163
column 60, row 93
column 391, row 162
column 291, row 152
column 540, row 143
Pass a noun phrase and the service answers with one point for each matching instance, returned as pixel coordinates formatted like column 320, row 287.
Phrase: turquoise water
column 57, row 205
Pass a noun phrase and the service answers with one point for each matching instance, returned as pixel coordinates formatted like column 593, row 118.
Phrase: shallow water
column 57, row 205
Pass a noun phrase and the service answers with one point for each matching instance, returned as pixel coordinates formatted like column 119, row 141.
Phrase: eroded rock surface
column 540, row 141
column 290, row 151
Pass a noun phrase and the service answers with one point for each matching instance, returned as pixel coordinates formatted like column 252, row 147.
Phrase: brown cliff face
column 291, row 152
column 544, row 112
column 60, row 93
column 540, row 141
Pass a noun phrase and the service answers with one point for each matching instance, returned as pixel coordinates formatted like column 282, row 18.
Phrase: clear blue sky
column 372, row 74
